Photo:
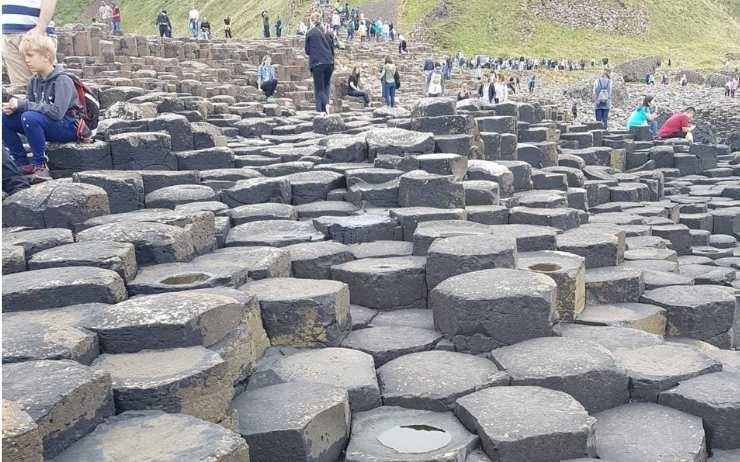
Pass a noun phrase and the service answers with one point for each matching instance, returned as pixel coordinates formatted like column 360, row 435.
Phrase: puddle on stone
column 182, row 279
column 545, row 267
column 414, row 439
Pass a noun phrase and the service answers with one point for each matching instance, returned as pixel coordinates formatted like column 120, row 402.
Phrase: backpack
column 602, row 95
column 397, row 80
column 89, row 113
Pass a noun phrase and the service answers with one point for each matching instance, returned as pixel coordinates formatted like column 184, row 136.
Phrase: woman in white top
column 502, row 91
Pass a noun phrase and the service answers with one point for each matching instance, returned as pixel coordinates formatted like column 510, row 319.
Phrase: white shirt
column 20, row 16
column 502, row 92
column 335, row 20
column 194, row 14
column 105, row 11
column 302, row 28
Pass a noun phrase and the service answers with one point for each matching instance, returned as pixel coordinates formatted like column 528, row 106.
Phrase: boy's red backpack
column 89, row 113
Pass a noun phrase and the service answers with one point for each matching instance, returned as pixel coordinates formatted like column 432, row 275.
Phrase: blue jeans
column 654, row 128
column 38, row 129
column 602, row 115
column 116, row 26
column 389, row 93
column 359, row 94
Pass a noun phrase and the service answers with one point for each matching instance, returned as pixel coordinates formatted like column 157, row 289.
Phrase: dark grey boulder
column 585, row 370
column 57, row 287
column 125, row 189
column 550, row 425
column 567, row 270
column 256, row 191
column 172, row 196
column 433, row 380
column 386, row 343
column 36, row 240
column 14, row 259
column 313, row 260
column 294, row 421
column 381, row 249
column 346, row 368
column 262, row 212
column 354, row 229
column 647, row 431
column 649, row 318
column 427, row 231
column 486, row 309
column 529, row 238
column 64, row 398
column 115, row 256
column 385, row 283
column 167, row 437
column 276, row 233
column 656, row 368
column 716, row 399
column 610, row 337
column 189, row 381
column 613, row 284
column 302, row 312
column 420, row 318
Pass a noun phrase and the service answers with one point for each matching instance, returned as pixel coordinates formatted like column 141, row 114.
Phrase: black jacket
column 319, row 47
column 491, row 92
column 164, row 20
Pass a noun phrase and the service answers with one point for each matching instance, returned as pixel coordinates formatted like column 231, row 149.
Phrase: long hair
column 647, row 100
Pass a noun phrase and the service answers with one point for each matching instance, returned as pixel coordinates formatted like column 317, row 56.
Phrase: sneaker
column 40, row 173
column 26, row 169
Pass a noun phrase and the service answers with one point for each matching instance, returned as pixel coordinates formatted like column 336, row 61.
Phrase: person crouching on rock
column 48, row 113
column 267, row 77
column 644, row 116
column 679, row 125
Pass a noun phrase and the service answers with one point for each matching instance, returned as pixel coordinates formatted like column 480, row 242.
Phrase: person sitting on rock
column 49, row 112
column 267, row 77
column 402, row 45
column 644, row 116
column 354, row 87
column 679, row 125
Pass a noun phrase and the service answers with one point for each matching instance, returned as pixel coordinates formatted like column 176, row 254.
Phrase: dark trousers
column 602, row 115
column 227, row 33
column 269, row 87
column 321, row 85
column 38, row 129
column 359, row 94
column 13, row 181
column 266, row 31
column 163, row 29
column 389, row 93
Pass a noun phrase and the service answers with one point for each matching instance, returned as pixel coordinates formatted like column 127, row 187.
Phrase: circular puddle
column 414, row 439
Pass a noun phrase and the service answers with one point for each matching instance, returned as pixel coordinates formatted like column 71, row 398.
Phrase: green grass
column 69, row 10
column 695, row 34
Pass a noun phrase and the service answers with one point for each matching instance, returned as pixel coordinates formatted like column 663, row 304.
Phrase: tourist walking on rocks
column 336, row 21
column 49, row 112
column 267, row 77
column 391, row 32
column 20, row 17
column 193, row 22
column 320, row 50
column 602, row 94
column 355, row 89
column 116, row 20
column 733, row 88
column 435, row 82
column 679, row 125
column 278, row 27
column 164, row 24
column 644, row 116
column 265, row 25
column 502, row 89
column 205, row 29
column 684, row 80
column 350, row 30
column 728, row 87
column 227, row 27
column 427, row 69
column 531, row 83
column 388, row 77
column 487, row 89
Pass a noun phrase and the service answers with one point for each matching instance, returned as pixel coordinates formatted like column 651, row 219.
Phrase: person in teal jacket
column 644, row 116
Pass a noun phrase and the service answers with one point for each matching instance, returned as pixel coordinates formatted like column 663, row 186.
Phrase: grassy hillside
column 697, row 33
column 138, row 15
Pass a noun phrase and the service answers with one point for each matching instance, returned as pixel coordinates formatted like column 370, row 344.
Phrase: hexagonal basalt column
column 451, row 256
column 302, row 312
column 569, row 273
column 486, row 309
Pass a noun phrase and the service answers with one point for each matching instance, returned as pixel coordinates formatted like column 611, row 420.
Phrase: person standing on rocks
column 531, row 83
column 435, row 82
column 265, row 25
column 679, row 125
column 205, row 29
column 388, row 76
column 267, row 77
column 21, row 17
column 116, row 20
column 684, row 80
column 487, row 89
column 105, row 12
column 733, row 88
column 193, row 22
column 602, row 94
column 644, row 116
column 227, row 27
column 320, row 50
column 427, row 69
column 354, row 87
column 164, row 24
column 278, row 27
column 49, row 112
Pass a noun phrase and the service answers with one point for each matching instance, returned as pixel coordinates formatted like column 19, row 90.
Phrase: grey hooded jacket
column 54, row 96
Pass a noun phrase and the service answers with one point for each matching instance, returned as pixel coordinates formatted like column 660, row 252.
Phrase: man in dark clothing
column 265, row 25
column 320, row 53
column 165, row 26
column 278, row 28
